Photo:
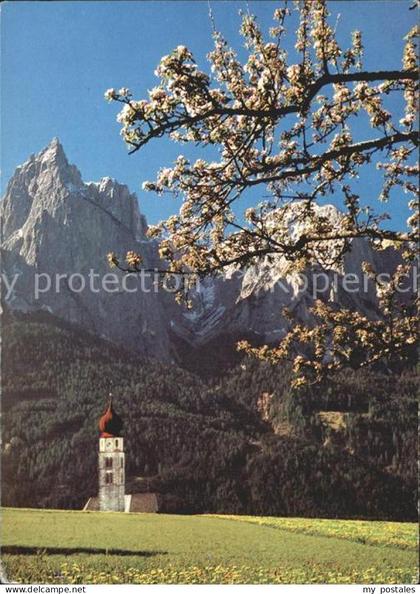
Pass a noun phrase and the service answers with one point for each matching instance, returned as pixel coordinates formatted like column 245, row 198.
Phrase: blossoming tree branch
column 286, row 127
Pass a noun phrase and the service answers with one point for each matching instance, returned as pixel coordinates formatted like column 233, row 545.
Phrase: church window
column 108, row 478
column 108, row 462
column 116, row 443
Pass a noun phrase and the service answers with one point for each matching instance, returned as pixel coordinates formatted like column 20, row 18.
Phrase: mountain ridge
column 56, row 224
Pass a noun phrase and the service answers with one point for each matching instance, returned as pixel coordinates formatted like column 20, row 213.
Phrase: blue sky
column 58, row 58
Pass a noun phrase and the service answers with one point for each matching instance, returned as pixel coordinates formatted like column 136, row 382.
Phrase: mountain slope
column 241, row 444
column 56, row 225
column 57, row 231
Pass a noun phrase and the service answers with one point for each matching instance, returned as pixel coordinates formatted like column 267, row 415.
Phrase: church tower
column 111, row 462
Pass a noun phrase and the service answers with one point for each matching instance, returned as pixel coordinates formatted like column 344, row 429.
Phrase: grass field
column 51, row 546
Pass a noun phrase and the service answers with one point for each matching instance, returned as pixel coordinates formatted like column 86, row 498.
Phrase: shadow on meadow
column 18, row 550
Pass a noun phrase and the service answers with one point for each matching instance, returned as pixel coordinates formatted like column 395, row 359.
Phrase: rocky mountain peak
column 58, row 226
column 47, row 184
column 50, row 163
column 54, row 152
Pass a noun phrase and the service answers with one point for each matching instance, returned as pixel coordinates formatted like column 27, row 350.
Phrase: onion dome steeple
column 110, row 424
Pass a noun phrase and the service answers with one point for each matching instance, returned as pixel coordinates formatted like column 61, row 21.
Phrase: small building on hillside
column 111, row 472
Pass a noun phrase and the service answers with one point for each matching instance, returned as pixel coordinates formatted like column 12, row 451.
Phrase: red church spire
column 110, row 424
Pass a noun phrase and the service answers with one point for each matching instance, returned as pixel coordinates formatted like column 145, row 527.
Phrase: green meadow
column 50, row 546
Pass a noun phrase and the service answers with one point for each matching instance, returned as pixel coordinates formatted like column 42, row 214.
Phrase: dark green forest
column 240, row 443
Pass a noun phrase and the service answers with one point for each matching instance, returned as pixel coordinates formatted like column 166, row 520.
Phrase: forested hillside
column 241, row 443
